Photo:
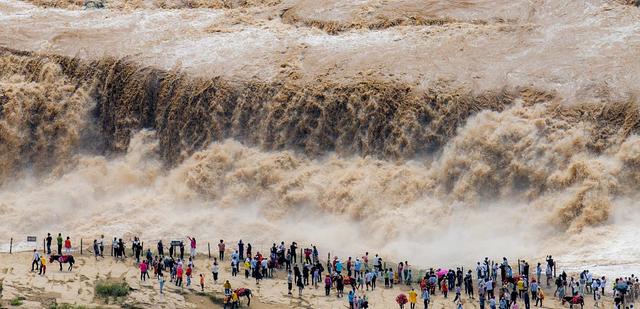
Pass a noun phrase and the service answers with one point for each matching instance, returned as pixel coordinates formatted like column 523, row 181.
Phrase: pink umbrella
column 442, row 272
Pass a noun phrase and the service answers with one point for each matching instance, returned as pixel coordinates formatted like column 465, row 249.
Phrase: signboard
column 31, row 239
column 175, row 243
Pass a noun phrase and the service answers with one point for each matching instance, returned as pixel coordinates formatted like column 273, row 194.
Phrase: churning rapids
column 515, row 130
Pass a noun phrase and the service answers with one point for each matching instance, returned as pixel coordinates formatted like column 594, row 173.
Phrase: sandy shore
column 77, row 287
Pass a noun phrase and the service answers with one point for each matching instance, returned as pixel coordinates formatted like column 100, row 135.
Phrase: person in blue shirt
column 358, row 267
column 350, row 297
column 426, row 298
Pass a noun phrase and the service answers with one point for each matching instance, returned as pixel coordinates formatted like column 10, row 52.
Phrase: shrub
column 114, row 289
column 17, row 301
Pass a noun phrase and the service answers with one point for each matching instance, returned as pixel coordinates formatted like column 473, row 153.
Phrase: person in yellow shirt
column 413, row 298
column 235, row 302
column 520, row 287
column 247, row 268
column 227, row 288
column 43, row 265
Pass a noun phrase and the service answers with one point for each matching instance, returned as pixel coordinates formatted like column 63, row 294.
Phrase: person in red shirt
column 445, row 288
column 67, row 245
column 179, row 276
column 143, row 271
column 189, row 270
column 221, row 249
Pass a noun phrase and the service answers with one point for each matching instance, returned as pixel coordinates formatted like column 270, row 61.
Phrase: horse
column 63, row 259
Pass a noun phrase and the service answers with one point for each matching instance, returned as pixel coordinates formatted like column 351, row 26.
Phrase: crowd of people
column 493, row 285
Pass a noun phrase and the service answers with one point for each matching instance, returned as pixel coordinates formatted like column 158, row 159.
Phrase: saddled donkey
column 63, row 259
column 246, row 293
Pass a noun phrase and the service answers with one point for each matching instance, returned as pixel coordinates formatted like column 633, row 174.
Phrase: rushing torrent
column 111, row 141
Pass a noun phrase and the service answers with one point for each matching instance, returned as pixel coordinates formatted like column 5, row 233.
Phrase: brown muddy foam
column 366, row 117
column 521, row 145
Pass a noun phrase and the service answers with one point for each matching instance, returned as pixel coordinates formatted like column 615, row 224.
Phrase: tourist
column 227, row 287
column 114, row 247
column 221, row 246
column 160, row 248
column 241, row 250
column 188, row 273
column 327, row 284
column 43, row 265
column 179, row 275
column 539, row 297
column 426, row 298
column 67, row 246
column 215, row 268
column 413, row 298
column 59, row 242
column 192, row 246
column 96, row 249
column 49, row 239
column 492, row 302
column 101, row 246
column 300, row 286
column 36, row 260
column 235, row 300
column 458, row 292
column 143, row 271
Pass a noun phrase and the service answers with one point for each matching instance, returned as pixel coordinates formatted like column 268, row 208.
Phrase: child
column 214, row 270
column 161, row 281
column 189, row 271
column 445, row 288
column 247, row 268
column 458, row 294
column 202, row 282
column 540, row 297
column 327, row 284
column 43, row 265
column 235, row 301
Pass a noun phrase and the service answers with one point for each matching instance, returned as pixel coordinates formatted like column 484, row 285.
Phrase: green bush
column 113, row 289
column 17, row 301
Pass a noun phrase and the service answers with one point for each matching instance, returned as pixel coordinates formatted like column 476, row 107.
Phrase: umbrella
column 442, row 272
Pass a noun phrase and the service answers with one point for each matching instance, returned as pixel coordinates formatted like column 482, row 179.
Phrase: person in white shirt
column 101, row 246
column 595, row 286
column 589, row 282
column 36, row 260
